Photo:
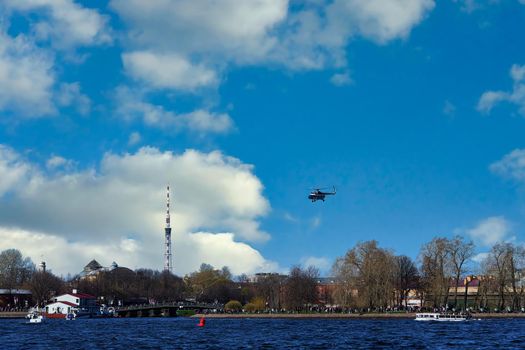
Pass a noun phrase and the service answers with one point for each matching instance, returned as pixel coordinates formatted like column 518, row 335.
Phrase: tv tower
column 168, row 263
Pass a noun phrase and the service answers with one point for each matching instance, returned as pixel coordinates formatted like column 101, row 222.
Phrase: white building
column 78, row 303
column 60, row 309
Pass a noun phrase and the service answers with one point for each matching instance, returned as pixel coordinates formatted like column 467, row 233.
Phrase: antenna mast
column 168, row 263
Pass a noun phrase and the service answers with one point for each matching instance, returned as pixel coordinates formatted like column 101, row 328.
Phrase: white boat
column 34, row 317
column 441, row 317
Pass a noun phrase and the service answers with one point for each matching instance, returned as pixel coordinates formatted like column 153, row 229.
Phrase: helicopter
column 317, row 194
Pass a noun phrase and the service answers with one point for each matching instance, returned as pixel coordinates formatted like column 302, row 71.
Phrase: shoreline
column 409, row 315
column 13, row 314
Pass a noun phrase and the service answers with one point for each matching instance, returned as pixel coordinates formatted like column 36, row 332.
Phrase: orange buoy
column 202, row 322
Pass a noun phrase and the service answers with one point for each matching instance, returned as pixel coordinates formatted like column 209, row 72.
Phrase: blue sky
column 413, row 109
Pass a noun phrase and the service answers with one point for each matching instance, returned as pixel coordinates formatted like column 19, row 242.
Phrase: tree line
column 367, row 277
column 372, row 277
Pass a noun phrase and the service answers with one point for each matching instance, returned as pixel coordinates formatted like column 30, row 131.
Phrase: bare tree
column 369, row 270
column 269, row 288
column 300, row 288
column 406, row 277
column 498, row 266
column 44, row 285
column 505, row 263
column 345, row 293
column 516, row 263
column 459, row 252
column 435, row 270
column 15, row 270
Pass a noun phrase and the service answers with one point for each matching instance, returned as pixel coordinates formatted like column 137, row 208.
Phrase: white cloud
column 291, row 218
column 478, row 258
column 130, row 106
column 70, row 95
column 490, row 231
column 134, row 138
column 341, row 79
column 380, row 20
column 182, row 44
column 190, row 250
column 489, row 99
column 26, row 77
column 56, row 162
column 13, row 169
column 322, row 263
column 167, row 71
column 129, row 245
column 517, row 73
column 240, row 257
column 65, row 23
column 201, row 120
column 116, row 213
column 468, row 6
column 231, row 28
column 512, row 165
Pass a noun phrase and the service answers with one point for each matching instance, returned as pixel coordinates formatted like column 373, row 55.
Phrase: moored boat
column 441, row 317
column 35, row 317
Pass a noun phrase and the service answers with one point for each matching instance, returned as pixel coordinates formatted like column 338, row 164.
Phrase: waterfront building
column 71, row 302
column 12, row 299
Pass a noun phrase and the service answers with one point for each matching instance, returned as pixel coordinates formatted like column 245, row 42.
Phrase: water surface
column 183, row 333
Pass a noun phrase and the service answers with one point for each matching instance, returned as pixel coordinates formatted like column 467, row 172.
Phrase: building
column 261, row 276
column 13, row 299
column 78, row 303
column 93, row 269
column 325, row 288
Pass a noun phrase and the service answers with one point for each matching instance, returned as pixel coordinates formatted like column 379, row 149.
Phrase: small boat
column 441, row 317
column 34, row 317
column 70, row 316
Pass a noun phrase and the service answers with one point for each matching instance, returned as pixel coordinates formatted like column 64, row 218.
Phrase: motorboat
column 35, row 317
column 441, row 317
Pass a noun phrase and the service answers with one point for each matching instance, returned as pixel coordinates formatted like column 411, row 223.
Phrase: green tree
column 210, row 285
column 233, row 305
column 250, row 307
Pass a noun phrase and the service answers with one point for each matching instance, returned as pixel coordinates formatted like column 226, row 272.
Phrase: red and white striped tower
column 168, row 263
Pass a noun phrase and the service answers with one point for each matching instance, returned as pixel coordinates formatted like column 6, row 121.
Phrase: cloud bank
column 185, row 44
column 116, row 212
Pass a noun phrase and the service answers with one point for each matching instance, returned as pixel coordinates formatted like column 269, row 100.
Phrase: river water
column 183, row 333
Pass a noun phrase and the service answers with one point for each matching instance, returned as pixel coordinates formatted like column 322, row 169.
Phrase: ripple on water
column 182, row 333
